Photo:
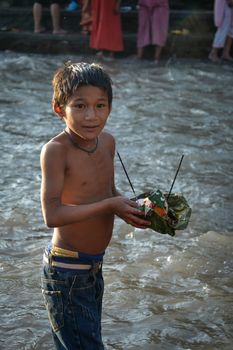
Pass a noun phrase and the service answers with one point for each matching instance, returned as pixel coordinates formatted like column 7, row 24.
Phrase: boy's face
column 87, row 111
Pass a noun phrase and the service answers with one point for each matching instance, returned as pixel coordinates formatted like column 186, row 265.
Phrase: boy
column 79, row 200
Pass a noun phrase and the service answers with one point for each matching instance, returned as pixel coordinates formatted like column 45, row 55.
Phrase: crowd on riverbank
column 186, row 33
column 101, row 19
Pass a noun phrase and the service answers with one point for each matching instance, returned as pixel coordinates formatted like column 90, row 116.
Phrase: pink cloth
column 225, row 29
column 106, row 26
column 219, row 12
column 153, row 18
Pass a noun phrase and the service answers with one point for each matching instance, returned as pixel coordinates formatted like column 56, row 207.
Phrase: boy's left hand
column 139, row 221
column 129, row 211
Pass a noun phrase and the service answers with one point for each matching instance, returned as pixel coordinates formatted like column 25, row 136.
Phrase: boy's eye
column 100, row 105
column 80, row 105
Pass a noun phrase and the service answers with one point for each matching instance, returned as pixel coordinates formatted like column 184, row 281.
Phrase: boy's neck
column 76, row 144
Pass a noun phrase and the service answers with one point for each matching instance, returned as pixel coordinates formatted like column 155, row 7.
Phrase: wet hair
column 71, row 76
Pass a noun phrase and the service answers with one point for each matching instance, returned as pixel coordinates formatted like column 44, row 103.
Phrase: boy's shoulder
column 105, row 134
column 55, row 145
column 108, row 139
column 59, row 144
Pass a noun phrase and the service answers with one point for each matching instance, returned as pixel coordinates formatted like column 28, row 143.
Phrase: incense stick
column 131, row 185
column 175, row 176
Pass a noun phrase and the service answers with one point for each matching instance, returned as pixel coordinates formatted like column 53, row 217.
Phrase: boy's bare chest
column 89, row 176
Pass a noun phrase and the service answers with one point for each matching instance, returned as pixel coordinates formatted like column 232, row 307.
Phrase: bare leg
column 37, row 15
column 140, row 52
column 227, row 49
column 56, row 18
column 158, row 51
column 85, row 5
column 213, row 55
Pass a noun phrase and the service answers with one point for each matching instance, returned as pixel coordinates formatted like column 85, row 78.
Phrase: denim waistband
column 71, row 260
column 61, row 253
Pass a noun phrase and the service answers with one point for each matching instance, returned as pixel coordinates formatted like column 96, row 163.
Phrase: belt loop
column 96, row 266
column 50, row 258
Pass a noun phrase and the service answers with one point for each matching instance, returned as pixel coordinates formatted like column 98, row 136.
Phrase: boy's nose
column 90, row 113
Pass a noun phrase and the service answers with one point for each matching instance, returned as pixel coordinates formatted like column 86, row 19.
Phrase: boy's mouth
column 90, row 126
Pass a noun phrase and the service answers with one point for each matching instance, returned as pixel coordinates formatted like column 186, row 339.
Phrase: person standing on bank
column 55, row 10
column 223, row 19
column 106, row 34
column 153, row 21
column 79, row 200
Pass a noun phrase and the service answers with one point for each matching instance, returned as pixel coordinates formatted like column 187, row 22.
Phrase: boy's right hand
column 129, row 211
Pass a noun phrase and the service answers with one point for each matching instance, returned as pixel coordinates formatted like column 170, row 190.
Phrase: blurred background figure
column 55, row 10
column 153, row 20
column 106, row 32
column 223, row 19
column 86, row 18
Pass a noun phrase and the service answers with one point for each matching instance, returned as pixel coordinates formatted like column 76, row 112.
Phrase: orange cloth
column 106, row 26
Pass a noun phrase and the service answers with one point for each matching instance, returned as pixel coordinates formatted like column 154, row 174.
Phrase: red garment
column 106, row 26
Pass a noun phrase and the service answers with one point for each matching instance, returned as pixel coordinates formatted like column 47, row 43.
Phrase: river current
column 161, row 292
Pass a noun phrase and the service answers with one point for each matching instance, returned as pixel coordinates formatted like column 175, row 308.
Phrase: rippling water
column 161, row 292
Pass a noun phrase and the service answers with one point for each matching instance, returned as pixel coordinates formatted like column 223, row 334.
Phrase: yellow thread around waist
column 57, row 251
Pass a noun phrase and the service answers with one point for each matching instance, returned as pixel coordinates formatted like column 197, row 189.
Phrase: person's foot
column 59, row 32
column 135, row 58
column 99, row 54
column 140, row 52
column 40, row 30
column 108, row 58
column 214, row 58
column 227, row 58
column 156, row 62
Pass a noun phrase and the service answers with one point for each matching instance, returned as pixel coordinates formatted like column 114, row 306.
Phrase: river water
column 162, row 292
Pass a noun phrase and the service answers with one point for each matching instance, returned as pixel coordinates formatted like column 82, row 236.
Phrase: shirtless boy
column 79, row 200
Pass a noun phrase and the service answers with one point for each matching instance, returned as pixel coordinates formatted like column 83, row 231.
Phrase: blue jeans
column 73, row 300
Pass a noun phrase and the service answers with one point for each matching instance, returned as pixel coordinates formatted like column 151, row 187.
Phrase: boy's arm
column 57, row 214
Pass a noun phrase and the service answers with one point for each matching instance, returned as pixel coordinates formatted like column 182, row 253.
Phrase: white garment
column 226, row 28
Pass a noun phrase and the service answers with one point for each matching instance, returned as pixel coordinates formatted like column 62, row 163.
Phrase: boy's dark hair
column 68, row 78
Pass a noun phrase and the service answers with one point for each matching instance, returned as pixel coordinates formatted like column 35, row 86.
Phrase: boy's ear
column 58, row 109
